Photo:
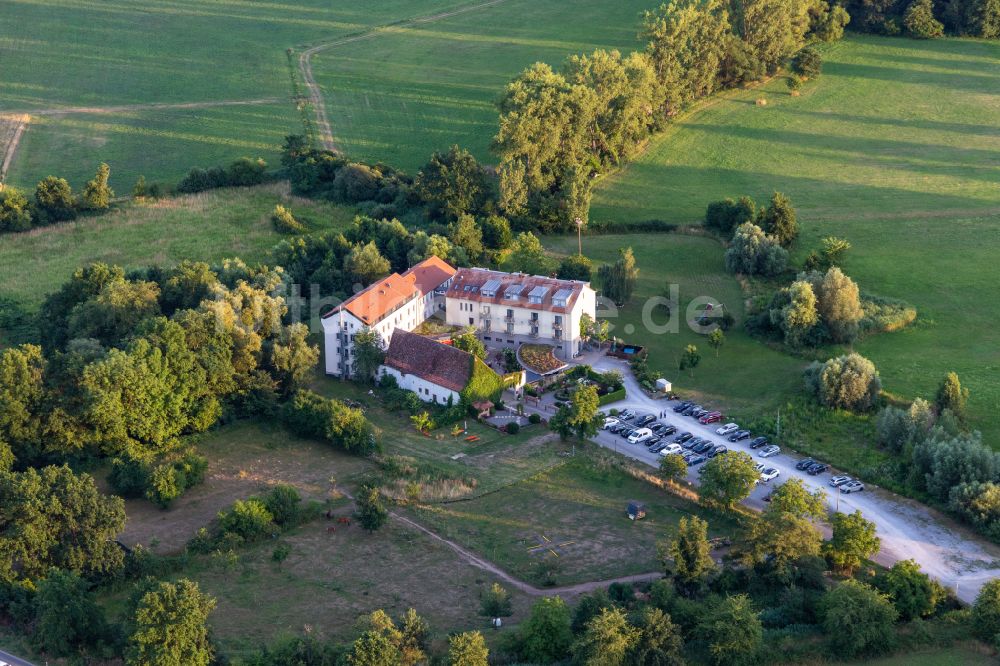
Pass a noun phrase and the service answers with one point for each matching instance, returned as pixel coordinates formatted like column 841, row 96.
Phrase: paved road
column 12, row 660
column 957, row 558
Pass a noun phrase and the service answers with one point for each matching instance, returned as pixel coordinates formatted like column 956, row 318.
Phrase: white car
column 671, row 449
column 768, row 474
column 640, row 436
column 838, row 481
column 770, row 450
column 727, row 429
column 626, row 415
column 610, row 422
column 852, row 487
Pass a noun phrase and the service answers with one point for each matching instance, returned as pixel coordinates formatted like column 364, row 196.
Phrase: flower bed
column 539, row 358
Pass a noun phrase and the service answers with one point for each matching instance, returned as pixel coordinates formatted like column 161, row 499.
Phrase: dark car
column 691, row 443
column 739, row 436
column 818, row 468
column 681, row 407
column 656, row 448
column 668, row 430
column 616, row 428
column 661, row 429
column 718, row 449
column 692, row 409
column 683, row 437
column 758, row 442
column 646, row 420
column 697, row 460
column 704, row 447
column 805, row 463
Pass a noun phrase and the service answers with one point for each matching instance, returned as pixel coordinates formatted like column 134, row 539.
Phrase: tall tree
column 451, row 184
column 952, row 396
column 292, row 357
column 853, row 541
column 732, row 630
column 660, row 642
column 66, row 618
column 839, row 305
column 913, row 593
column 467, row 234
column 779, row 219
column 799, row 317
column 369, row 350
column 467, row 649
column 97, row 194
column 607, row 640
column 858, row 620
column 495, row 602
column 618, row 279
column 54, row 200
column 526, row 255
column 365, row 264
column 14, row 212
column 986, row 611
column 546, row 636
column 372, row 513
column 690, row 552
column 727, row 480
column 171, row 627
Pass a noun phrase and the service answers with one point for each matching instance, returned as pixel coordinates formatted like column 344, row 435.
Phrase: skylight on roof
column 513, row 291
column 490, row 288
column 561, row 297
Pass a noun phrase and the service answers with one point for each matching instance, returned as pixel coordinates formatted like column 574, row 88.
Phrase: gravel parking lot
column 959, row 559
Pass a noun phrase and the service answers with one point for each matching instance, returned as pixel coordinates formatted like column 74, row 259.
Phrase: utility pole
column 579, row 235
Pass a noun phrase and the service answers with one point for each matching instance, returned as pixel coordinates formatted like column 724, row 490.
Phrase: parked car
column 727, row 429
column 739, row 436
column 758, row 442
column 768, row 474
column 696, row 412
column 671, row 449
column 697, row 459
column 681, row 407
column 640, row 435
column 714, row 417
column 691, row 410
column 718, row 449
column 626, row 415
column 704, row 447
column 817, row 468
column 852, row 487
column 655, row 439
column 668, row 430
column 683, row 437
column 840, row 480
column 616, row 428
column 805, row 463
column 626, row 432
column 691, row 443
column 769, row 450
column 645, row 420
column 610, row 422
column 656, row 448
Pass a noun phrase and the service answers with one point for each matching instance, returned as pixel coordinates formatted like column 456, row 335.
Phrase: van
column 640, row 435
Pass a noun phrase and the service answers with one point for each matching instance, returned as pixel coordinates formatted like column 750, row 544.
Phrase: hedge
column 614, row 396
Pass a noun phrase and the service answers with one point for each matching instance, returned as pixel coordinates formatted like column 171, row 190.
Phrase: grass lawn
column 582, row 502
column 958, row 654
column 203, row 227
column 896, row 147
column 412, row 90
column 61, row 53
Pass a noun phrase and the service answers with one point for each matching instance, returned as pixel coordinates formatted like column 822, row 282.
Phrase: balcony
column 534, row 331
column 509, row 318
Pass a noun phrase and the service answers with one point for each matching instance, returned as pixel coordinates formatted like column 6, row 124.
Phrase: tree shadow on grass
column 931, row 125
column 979, row 83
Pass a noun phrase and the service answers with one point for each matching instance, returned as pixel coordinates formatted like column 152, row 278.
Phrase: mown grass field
column 412, row 90
column 71, row 53
column 203, row 227
column 897, row 148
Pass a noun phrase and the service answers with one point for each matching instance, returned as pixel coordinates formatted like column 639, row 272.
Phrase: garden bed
column 540, row 359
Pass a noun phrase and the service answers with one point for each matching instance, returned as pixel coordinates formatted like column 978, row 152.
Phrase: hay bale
column 761, row 101
column 795, row 93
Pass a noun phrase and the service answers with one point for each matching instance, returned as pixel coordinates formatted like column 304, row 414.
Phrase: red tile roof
column 380, row 298
column 468, row 282
column 428, row 359
column 429, row 274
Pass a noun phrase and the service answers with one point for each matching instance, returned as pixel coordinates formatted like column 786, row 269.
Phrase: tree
column 799, row 317
column 986, row 612
column 732, row 630
column 414, row 639
column 716, row 339
column 451, row 184
column 140, row 190
column 942, row 462
column 919, row 21
column 607, row 639
column 526, row 255
column 752, row 252
column 575, row 267
column 724, row 216
column 583, row 406
column 468, row 649
column 371, row 513
column 691, row 552
column 839, row 305
column 369, row 351
column 468, row 342
column 465, row 233
column 374, row 648
column 496, row 233
column 495, row 602
column 689, row 359
column 778, row 538
column 778, row 220
column 912, row 592
column 249, row 519
column 834, row 249
column 618, row 279
column 546, row 636
column 51, row 517
column 97, row 195
column 66, row 617
column 952, row 396
column 845, row 382
column 365, row 264
column 596, row 331
column 171, row 627
column 858, row 620
column 793, row 498
column 853, row 541
column 54, row 200
column 807, row 63
column 22, row 395
column 14, row 212
column 673, row 468
column 660, row 642
column 293, row 358
column 727, row 480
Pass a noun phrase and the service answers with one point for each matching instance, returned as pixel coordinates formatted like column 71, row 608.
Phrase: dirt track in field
column 305, row 61
column 11, row 129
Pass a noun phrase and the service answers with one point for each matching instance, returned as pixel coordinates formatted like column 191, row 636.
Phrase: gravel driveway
column 953, row 555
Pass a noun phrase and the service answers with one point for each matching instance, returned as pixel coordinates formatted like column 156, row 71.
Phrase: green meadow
column 112, row 53
column 409, row 91
column 896, row 147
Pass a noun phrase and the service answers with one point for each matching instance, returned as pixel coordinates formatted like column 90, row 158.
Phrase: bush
column 807, row 63
column 282, row 502
column 284, row 222
column 846, row 382
column 858, row 620
column 309, row 414
column 724, row 216
column 535, row 418
column 752, row 252
column 249, row 520
column 513, row 428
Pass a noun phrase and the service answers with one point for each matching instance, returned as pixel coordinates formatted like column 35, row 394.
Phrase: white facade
column 426, row 390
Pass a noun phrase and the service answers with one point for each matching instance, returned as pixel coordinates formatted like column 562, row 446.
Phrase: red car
column 712, row 417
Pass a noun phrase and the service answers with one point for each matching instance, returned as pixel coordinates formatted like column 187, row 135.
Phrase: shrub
column 284, row 222
column 858, row 620
column 249, row 520
column 282, row 502
column 752, row 252
column 535, row 418
column 513, row 428
column 807, row 63
column 724, row 216
column 846, row 382
column 309, row 414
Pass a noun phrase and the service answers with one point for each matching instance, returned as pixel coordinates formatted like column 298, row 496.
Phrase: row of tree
column 53, row 202
column 558, row 130
column 927, row 18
